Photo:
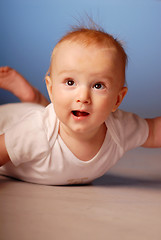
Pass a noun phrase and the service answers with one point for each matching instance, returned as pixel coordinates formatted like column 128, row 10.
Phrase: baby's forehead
column 75, row 55
column 69, row 46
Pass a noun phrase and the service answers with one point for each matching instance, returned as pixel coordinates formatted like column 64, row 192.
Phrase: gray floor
column 123, row 204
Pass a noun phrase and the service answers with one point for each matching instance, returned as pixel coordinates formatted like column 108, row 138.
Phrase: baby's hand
column 5, row 71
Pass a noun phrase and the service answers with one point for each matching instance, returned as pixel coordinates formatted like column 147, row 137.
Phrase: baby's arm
column 4, row 157
column 154, row 138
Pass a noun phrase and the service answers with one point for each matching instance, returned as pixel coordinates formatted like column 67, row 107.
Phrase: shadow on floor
column 109, row 180
column 125, row 181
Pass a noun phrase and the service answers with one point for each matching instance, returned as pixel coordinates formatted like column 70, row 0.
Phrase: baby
column 81, row 133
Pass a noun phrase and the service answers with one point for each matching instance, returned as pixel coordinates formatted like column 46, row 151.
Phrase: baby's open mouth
column 80, row 113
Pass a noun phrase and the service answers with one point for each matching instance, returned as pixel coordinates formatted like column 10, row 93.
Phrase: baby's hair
column 92, row 35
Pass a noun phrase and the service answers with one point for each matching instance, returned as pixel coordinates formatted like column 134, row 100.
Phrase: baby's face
column 85, row 85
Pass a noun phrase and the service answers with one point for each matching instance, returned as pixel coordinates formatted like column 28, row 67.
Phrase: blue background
column 29, row 30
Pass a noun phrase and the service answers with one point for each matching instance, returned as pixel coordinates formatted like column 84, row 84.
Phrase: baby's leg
column 12, row 81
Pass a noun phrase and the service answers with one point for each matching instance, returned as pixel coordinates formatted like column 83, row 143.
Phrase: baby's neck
column 84, row 146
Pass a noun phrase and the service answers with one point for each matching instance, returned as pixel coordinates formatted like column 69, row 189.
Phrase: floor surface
column 124, row 204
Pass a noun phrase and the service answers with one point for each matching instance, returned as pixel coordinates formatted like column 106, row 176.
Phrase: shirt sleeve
column 132, row 130
column 27, row 140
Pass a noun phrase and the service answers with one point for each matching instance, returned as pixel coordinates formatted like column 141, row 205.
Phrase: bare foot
column 12, row 81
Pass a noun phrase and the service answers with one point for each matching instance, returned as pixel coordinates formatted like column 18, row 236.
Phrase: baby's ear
column 49, row 86
column 120, row 97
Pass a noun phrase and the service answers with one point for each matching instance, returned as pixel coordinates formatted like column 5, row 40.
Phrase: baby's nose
column 83, row 95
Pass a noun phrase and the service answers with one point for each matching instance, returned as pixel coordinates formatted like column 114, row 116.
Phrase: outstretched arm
column 154, row 138
column 4, row 157
column 14, row 82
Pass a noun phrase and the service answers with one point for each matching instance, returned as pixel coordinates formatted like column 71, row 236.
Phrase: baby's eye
column 70, row 82
column 99, row 86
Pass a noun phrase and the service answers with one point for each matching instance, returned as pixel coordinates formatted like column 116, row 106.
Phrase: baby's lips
column 80, row 113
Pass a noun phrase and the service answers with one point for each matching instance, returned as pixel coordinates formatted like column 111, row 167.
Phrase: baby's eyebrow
column 95, row 75
column 103, row 77
column 66, row 71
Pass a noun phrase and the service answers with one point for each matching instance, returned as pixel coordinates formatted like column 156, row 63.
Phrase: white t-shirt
column 39, row 155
